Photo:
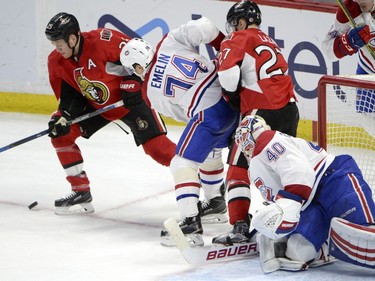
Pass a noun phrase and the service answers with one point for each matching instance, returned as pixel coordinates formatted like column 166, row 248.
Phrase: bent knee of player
column 179, row 162
column 68, row 139
column 161, row 149
column 300, row 249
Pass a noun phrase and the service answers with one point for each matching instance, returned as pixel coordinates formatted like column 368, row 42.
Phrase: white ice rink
column 132, row 194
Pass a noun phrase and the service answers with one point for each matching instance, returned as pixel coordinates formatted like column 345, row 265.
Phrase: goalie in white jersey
column 305, row 188
column 183, row 85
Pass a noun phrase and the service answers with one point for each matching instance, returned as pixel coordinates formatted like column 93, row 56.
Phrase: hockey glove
column 354, row 39
column 280, row 218
column 57, row 126
column 131, row 92
column 233, row 98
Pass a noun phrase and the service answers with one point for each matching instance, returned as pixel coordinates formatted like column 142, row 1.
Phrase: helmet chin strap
column 73, row 48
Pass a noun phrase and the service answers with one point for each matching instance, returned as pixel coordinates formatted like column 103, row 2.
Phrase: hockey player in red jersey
column 312, row 196
column 254, row 76
column 85, row 74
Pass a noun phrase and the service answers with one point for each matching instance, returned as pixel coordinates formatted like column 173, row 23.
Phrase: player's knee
column 183, row 169
column 213, row 161
column 161, row 149
column 300, row 249
column 236, row 173
column 68, row 139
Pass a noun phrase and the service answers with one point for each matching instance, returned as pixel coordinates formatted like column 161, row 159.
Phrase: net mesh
column 350, row 123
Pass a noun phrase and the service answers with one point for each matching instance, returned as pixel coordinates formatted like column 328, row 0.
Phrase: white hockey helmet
column 136, row 51
column 248, row 132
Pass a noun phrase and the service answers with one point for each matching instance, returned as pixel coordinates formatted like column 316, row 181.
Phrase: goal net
column 346, row 119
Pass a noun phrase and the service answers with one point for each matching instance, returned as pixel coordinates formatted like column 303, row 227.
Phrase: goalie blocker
column 352, row 243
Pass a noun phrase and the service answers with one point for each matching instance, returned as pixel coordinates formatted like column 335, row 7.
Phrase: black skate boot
column 238, row 235
column 213, row 210
column 191, row 228
column 78, row 202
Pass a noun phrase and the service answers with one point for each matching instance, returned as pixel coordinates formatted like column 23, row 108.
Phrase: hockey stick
column 353, row 23
column 204, row 255
column 71, row 122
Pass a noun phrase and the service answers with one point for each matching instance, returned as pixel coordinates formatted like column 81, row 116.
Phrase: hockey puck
column 32, row 205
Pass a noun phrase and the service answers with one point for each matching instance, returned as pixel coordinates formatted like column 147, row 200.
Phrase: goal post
column 346, row 119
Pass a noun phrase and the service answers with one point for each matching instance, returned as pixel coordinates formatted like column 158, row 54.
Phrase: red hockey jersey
column 253, row 58
column 96, row 72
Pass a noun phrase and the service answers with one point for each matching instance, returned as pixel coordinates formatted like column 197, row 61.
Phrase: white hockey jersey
column 342, row 25
column 181, row 82
column 282, row 162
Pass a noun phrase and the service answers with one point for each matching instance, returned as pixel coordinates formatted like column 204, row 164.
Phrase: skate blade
column 215, row 218
column 79, row 209
column 321, row 262
column 195, row 240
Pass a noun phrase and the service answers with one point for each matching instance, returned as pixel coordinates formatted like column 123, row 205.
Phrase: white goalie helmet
column 136, row 51
column 248, row 132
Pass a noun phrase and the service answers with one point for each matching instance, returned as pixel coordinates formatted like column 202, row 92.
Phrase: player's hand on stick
column 280, row 218
column 57, row 126
column 355, row 39
column 131, row 93
column 131, row 100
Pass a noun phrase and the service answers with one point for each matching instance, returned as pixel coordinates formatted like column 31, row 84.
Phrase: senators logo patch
column 142, row 124
column 92, row 90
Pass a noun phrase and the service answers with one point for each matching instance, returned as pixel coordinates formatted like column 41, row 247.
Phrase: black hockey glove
column 131, row 100
column 131, row 92
column 57, row 125
column 233, row 99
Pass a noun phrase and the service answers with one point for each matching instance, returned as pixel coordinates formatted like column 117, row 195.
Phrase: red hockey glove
column 354, row 39
column 57, row 125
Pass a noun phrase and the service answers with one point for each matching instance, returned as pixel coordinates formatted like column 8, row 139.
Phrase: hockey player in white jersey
column 306, row 188
column 183, row 85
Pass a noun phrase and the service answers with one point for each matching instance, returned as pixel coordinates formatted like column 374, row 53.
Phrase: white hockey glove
column 280, row 218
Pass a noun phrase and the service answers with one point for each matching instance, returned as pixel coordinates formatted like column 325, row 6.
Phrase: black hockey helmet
column 246, row 9
column 61, row 26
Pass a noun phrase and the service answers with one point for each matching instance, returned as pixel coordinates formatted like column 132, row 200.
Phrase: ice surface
column 133, row 195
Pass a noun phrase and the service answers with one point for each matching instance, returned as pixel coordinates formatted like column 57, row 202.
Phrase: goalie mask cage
column 346, row 119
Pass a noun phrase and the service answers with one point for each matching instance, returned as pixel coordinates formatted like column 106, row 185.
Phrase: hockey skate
column 78, row 202
column 191, row 228
column 238, row 235
column 213, row 210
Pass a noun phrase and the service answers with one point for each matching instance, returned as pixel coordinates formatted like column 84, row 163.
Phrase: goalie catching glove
column 57, row 126
column 281, row 218
column 354, row 39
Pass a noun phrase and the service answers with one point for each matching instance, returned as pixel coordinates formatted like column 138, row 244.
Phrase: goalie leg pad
column 352, row 243
column 272, row 256
column 267, row 257
column 300, row 249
